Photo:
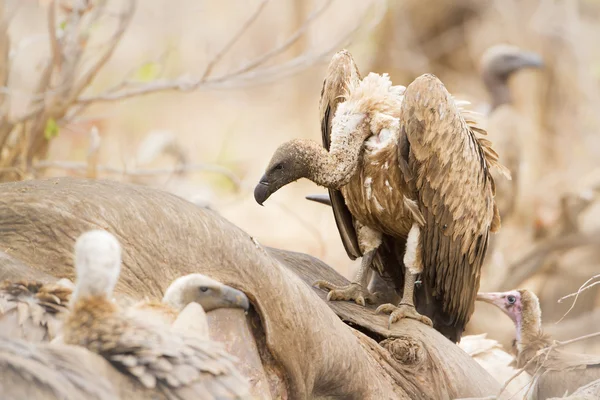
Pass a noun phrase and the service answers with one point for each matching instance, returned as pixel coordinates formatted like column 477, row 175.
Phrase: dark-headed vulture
column 410, row 188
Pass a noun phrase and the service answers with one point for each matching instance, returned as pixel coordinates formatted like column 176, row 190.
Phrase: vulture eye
column 511, row 299
column 203, row 289
column 279, row 166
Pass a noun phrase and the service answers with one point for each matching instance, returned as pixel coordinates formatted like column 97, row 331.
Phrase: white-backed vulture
column 198, row 288
column 409, row 183
column 504, row 124
column 506, row 127
column 555, row 371
column 33, row 310
column 156, row 355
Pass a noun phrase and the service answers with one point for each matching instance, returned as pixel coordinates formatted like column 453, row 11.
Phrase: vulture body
column 49, row 372
column 32, row 310
column 504, row 124
column 507, row 128
column 410, row 188
column 177, row 365
column 554, row 371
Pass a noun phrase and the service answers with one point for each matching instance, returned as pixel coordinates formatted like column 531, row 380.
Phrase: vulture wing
column 182, row 366
column 32, row 310
column 342, row 74
column 448, row 168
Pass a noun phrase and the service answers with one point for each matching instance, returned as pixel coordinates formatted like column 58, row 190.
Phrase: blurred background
column 193, row 97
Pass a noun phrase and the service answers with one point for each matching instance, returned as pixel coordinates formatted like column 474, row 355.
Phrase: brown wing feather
column 32, row 310
column 342, row 73
column 454, row 189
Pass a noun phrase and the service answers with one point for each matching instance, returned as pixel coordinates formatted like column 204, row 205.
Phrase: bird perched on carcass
column 507, row 128
column 178, row 365
column 410, row 188
column 33, row 310
column 198, row 288
column 555, row 371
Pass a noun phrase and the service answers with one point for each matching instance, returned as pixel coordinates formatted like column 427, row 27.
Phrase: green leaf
column 62, row 25
column 147, row 72
column 51, row 130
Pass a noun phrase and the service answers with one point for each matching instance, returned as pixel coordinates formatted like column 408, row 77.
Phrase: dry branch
column 59, row 99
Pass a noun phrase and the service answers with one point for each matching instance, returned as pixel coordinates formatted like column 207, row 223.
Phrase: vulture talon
column 402, row 311
column 353, row 291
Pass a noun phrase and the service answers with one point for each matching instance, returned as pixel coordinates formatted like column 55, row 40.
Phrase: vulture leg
column 413, row 267
column 369, row 240
column 357, row 290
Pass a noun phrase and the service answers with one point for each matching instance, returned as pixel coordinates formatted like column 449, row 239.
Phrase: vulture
column 410, row 187
column 504, row 125
column 198, row 288
column 555, row 371
column 507, row 129
column 32, row 310
column 150, row 351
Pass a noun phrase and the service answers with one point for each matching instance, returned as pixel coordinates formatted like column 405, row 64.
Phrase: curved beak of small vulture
column 233, row 298
column 262, row 191
column 531, row 60
column 492, row 298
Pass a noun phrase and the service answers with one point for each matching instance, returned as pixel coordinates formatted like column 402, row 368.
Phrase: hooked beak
column 319, row 198
column 531, row 60
column 262, row 191
column 233, row 298
column 492, row 298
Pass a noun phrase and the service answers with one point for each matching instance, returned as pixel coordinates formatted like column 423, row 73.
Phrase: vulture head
column 289, row 163
column 502, row 60
column 97, row 264
column 498, row 63
column 207, row 292
column 522, row 306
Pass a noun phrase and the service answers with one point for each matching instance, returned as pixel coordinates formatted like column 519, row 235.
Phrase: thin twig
column 244, row 76
column 546, row 353
column 581, row 289
column 54, row 45
column 87, row 78
column 215, row 60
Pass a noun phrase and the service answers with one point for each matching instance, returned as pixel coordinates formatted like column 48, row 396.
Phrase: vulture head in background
column 207, row 292
column 410, row 187
column 497, row 65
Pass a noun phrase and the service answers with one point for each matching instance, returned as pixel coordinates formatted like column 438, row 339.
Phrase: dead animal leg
column 414, row 266
column 369, row 240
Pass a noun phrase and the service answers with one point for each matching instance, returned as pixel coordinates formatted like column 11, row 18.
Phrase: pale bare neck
column 335, row 168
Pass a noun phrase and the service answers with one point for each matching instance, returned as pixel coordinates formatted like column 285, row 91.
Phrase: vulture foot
column 353, row 291
column 402, row 311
